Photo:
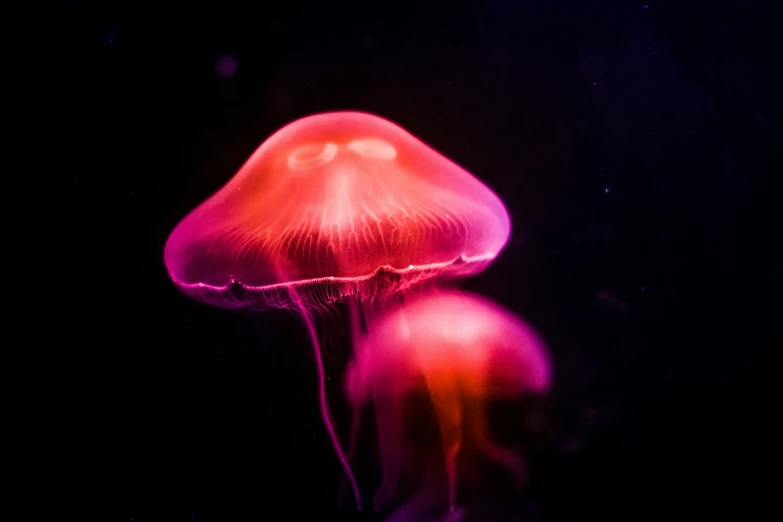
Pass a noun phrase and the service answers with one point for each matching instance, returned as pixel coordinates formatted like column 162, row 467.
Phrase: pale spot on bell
column 372, row 148
column 310, row 156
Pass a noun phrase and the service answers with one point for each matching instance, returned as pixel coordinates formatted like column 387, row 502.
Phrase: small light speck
column 644, row 288
column 645, row 6
column 607, row 190
column 111, row 35
column 554, row 251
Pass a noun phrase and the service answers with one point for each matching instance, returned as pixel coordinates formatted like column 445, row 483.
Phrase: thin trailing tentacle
column 324, row 406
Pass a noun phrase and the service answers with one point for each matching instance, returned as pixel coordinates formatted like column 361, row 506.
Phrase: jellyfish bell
column 335, row 205
column 492, row 351
column 332, row 205
column 467, row 350
column 449, row 335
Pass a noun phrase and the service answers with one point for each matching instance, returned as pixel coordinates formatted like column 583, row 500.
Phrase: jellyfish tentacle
column 324, row 406
column 498, row 453
column 358, row 329
column 388, row 417
column 456, row 515
column 361, row 315
column 358, row 322
column 444, row 393
column 356, row 414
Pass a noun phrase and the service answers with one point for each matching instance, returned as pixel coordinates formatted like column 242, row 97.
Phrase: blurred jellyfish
column 226, row 66
column 467, row 350
column 336, row 206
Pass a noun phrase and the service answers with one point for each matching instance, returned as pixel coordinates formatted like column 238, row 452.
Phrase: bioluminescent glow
column 330, row 206
column 467, row 350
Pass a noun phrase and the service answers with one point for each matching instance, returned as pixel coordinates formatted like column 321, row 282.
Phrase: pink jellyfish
column 332, row 206
column 467, row 350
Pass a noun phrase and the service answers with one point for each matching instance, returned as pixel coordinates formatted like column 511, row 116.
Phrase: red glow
column 328, row 204
column 464, row 347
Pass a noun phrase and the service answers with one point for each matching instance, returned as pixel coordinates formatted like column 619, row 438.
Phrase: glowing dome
column 331, row 201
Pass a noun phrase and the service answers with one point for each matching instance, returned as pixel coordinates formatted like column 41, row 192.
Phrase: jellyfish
column 466, row 350
column 332, row 207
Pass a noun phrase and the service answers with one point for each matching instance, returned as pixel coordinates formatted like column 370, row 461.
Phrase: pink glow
column 334, row 205
column 226, row 66
column 328, row 204
column 466, row 350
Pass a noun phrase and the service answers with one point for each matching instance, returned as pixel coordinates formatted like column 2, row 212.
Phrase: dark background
column 631, row 145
